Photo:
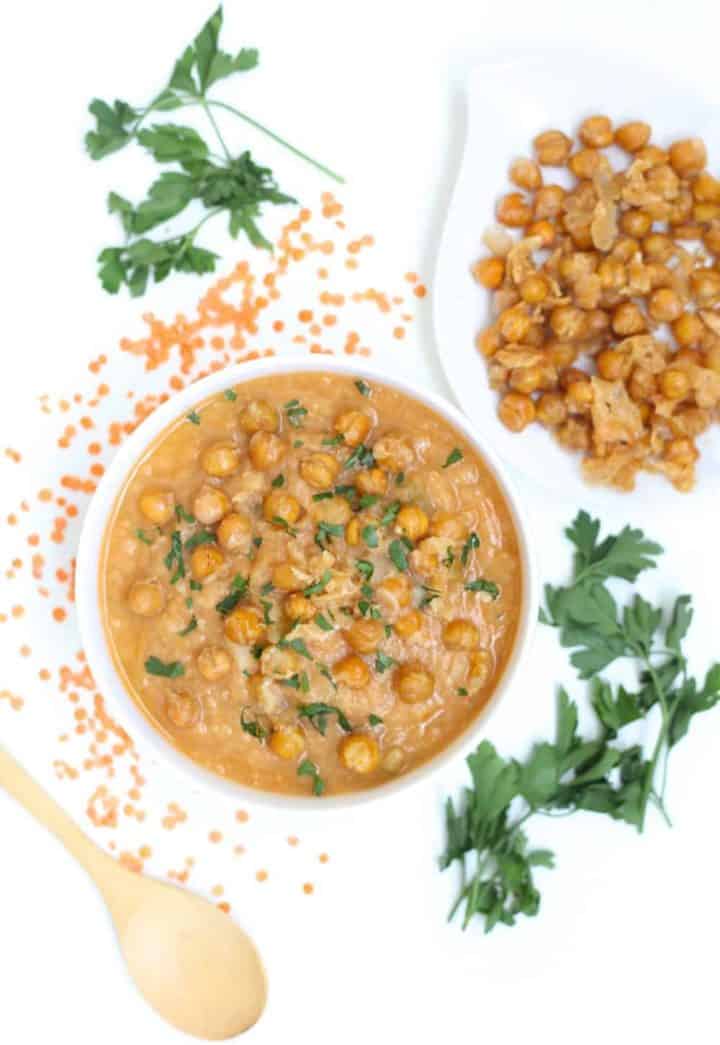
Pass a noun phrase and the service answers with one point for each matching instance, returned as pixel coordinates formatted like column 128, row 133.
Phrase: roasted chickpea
column 549, row 202
column 448, row 525
column 353, row 532
column 182, row 709
column 712, row 359
column 642, row 384
column 681, row 451
column 394, row 451
column 244, row 625
column 568, row 323
column 705, row 286
column 205, row 560
column 258, row 416
column 664, row 305
column 574, row 434
column 534, row 289
column 625, row 248
column 353, row 426
column 597, row 322
column 298, row 607
column 525, row 174
column 562, row 353
column 544, row 231
column 657, row 246
column 335, row 510
column 286, row 576
column 266, row 450
column 479, row 669
column 412, row 522
column 320, row 470
column 372, row 481
column 488, row 341
column 585, row 162
column 674, row 384
column 514, row 211
column 703, row 213
column 571, row 375
column 157, row 506
column 460, row 634
column 596, row 132
column 393, row 760
column 628, row 319
column 514, row 323
column 397, row 590
column 551, row 409
column 612, row 364
column 287, row 742
column 409, row 624
column 636, row 223
column 526, row 379
column 220, row 459
column 711, row 240
column 210, row 504
column 612, row 273
column 633, row 135
column 653, row 156
column 688, row 156
column 279, row 505
column 692, row 421
column 364, row 635
column 234, row 532
column 351, row 671
column 413, row 683
column 580, row 395
column 359, row 752
column 146, row 598
column 552, row 148
column 516, row 411
column 706, row 188
column 214, row 662
column 489, row 272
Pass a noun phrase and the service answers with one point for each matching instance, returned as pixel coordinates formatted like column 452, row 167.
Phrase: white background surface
column 625, row 946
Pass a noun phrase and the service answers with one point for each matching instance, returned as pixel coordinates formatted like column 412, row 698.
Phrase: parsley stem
column 213, row 121
column 275, row 137
column 661, row 739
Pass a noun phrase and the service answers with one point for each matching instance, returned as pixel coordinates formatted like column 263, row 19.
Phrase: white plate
column 508, row 103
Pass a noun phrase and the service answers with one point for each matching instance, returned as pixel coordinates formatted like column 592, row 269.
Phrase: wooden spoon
column 190, row 961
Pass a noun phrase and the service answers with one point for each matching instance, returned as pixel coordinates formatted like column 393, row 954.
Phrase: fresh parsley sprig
column 598, row 773
column 234, row 185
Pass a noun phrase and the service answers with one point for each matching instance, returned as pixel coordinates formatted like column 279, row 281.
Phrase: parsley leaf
column 184, row 516
column 142, row 536
column 174, row 559
column 326, row 531
column 322, row 622
column 383, row 662
column 480, row 584
column 318, row 713
column 190, row 627
column 201, row 537
column 453, row 457
column 363, row 388
column 375, row 720
column 390, row 514
column 295, row 412
column 470, row 545
column 230, row 394
column 319, row 585
column 308, row 768
column 169, row 670
column 398, row 553
column 370, row 536
column 254, row 725
column 298, row 645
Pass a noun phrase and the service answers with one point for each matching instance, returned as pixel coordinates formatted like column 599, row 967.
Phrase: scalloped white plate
column 508, row 103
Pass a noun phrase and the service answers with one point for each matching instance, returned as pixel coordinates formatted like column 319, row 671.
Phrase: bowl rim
column 148, row 740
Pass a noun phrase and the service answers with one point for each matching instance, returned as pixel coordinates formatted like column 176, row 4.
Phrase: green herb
column 299, row 682
column 602, row 772
column 318, row 713
column 398, row 553
column 449, row 557
column 189, row 602
column 367, row 590
column 195, row 585
column 257, row 650
column 453, row 457
column 319, row 585
column 325, row 671
column 428, row 596
column 346, row 491
column 324, row 496
column 142, row 536
column 278, row 481
column 295, row 412
column 361, row 457
column 370, row 536
column 184, row 516
column 383, row 661
column 298, row 443
column 364, row 568
column 231, row 185
column 191, row 626
column 257, row 541
column 308, row 768
column 253, row 725
column 390, row 514
column 266, row 607
column 400, row 478
column 172, row 670
column 238, row 590
column 267, row 588
column 202, row 537
column 322, row 622
column 284, row 525
column 363, row 388
column 375, row 720
column 469, row 546
column 461, row 691
column 298, row 645
column 335, row 440
column 326, row 531
column 230, row 394
column 174, row 559
column 489, row 587
column 388, row 631
column 194, row 417
column 368, row 500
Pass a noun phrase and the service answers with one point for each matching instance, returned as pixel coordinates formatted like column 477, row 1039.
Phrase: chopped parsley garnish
column 308, row 768
column 325, row 672
column 167, row 670
column 370, row 536
column 453, row 457
column 449, row 557
column 298, row 645
column 202, row 537
column 470, row 545
column 461, row 691
column 295, row 412
column 174, row 559
column 266, row 607
column 253, row 726
column 267, row 588
column 375, row 720
column 335, row 440
column 191, row 626
column 429, row 595
column 257, row 541
column 299, row 682
column 318, row 713
column 195, row 585
column 193, row 417
column 361, row 457
column 319, row 585
column 363, row 388
column 324, row 496
column 367, row 591
column 400, row 478
column 298, row 443
column 346, row 491
column 383, row 661
column 284, row 525
column 142, row 536
column 398, row 553
column 188, row 601
column 182, row 515
column 489, row 587
column 365, row 568
column 238, row 590
column 326, row 531
column 257, row 650
column 278, row 481
column 369, row 499
column 390, row 514
column 322, row 622
column 230, row 394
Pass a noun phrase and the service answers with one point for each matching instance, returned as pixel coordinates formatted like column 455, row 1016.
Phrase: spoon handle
column 18, row 783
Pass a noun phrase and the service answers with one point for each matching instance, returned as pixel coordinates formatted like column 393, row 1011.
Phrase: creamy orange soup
column 311, row 584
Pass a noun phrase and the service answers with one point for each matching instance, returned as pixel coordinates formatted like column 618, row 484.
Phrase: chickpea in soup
column 311, row 584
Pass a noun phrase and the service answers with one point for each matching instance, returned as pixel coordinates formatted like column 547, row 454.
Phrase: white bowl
column 148, row 740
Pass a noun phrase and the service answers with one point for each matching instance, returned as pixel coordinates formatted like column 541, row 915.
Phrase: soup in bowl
column 311, row 582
